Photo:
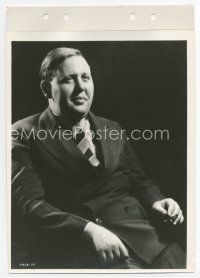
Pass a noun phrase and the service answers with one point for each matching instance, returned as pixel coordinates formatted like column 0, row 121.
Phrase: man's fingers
column 176, row 211
column 182, row 219
column 123, row 251
column 109, row 256
column 178, row 219
column 116, row 253
column 160, row 209
column 171, row 208
column 102, row 257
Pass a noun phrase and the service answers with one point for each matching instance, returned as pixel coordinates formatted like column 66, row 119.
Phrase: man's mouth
column 79, row 99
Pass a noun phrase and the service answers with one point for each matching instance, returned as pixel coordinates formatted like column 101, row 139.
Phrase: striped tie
column 86, row 146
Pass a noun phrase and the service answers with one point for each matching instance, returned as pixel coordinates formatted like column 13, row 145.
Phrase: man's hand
column 108, row 246
column 170, row 208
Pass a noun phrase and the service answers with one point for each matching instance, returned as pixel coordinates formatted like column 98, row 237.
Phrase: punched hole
column 45, row 16
column 66, row 16
column 153, row 17
column 132, row 16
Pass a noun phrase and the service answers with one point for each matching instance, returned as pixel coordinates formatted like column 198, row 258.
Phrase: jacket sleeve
column 141, row 186
column 28, row 198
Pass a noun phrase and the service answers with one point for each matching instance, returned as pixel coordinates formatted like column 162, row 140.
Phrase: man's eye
column 68, row 79
column 86, row 77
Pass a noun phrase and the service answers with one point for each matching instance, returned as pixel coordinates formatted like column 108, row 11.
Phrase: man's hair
column 53, row 60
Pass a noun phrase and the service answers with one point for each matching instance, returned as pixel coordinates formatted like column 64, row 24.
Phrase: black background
column 140, row 84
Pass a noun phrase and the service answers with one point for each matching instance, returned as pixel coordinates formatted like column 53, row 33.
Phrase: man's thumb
column 160, row 209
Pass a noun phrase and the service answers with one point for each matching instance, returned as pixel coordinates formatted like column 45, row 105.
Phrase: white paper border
column 130, row 36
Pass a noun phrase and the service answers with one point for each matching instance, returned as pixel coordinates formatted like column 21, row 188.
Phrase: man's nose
column 80, row 85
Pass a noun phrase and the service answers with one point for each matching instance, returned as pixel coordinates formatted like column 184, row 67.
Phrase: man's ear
column 46, row 88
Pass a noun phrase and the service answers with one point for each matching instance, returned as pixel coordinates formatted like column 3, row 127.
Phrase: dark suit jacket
column 56, row 191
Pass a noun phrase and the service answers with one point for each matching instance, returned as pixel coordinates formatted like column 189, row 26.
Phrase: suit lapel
column 63, row 149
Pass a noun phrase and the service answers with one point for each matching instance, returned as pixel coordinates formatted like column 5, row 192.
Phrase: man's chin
column 80, row 110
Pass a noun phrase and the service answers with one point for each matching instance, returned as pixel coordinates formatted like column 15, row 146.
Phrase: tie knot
column 79, row 132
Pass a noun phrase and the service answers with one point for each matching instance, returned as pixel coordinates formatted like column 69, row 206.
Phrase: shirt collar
column 83, row 125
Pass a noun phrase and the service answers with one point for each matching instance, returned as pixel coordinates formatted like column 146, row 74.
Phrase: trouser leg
column 172, row 257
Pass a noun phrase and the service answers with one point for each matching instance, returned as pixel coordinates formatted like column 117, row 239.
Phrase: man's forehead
column 74, row 64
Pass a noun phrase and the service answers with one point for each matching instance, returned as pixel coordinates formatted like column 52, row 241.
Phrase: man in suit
column 79, row 195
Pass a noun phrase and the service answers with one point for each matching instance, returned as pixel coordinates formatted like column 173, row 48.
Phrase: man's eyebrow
column 65, row 77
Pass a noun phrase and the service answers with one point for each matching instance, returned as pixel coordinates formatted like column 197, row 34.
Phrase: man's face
column 72, row 88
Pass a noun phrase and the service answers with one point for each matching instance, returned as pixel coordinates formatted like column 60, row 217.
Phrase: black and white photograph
column 99, row 155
